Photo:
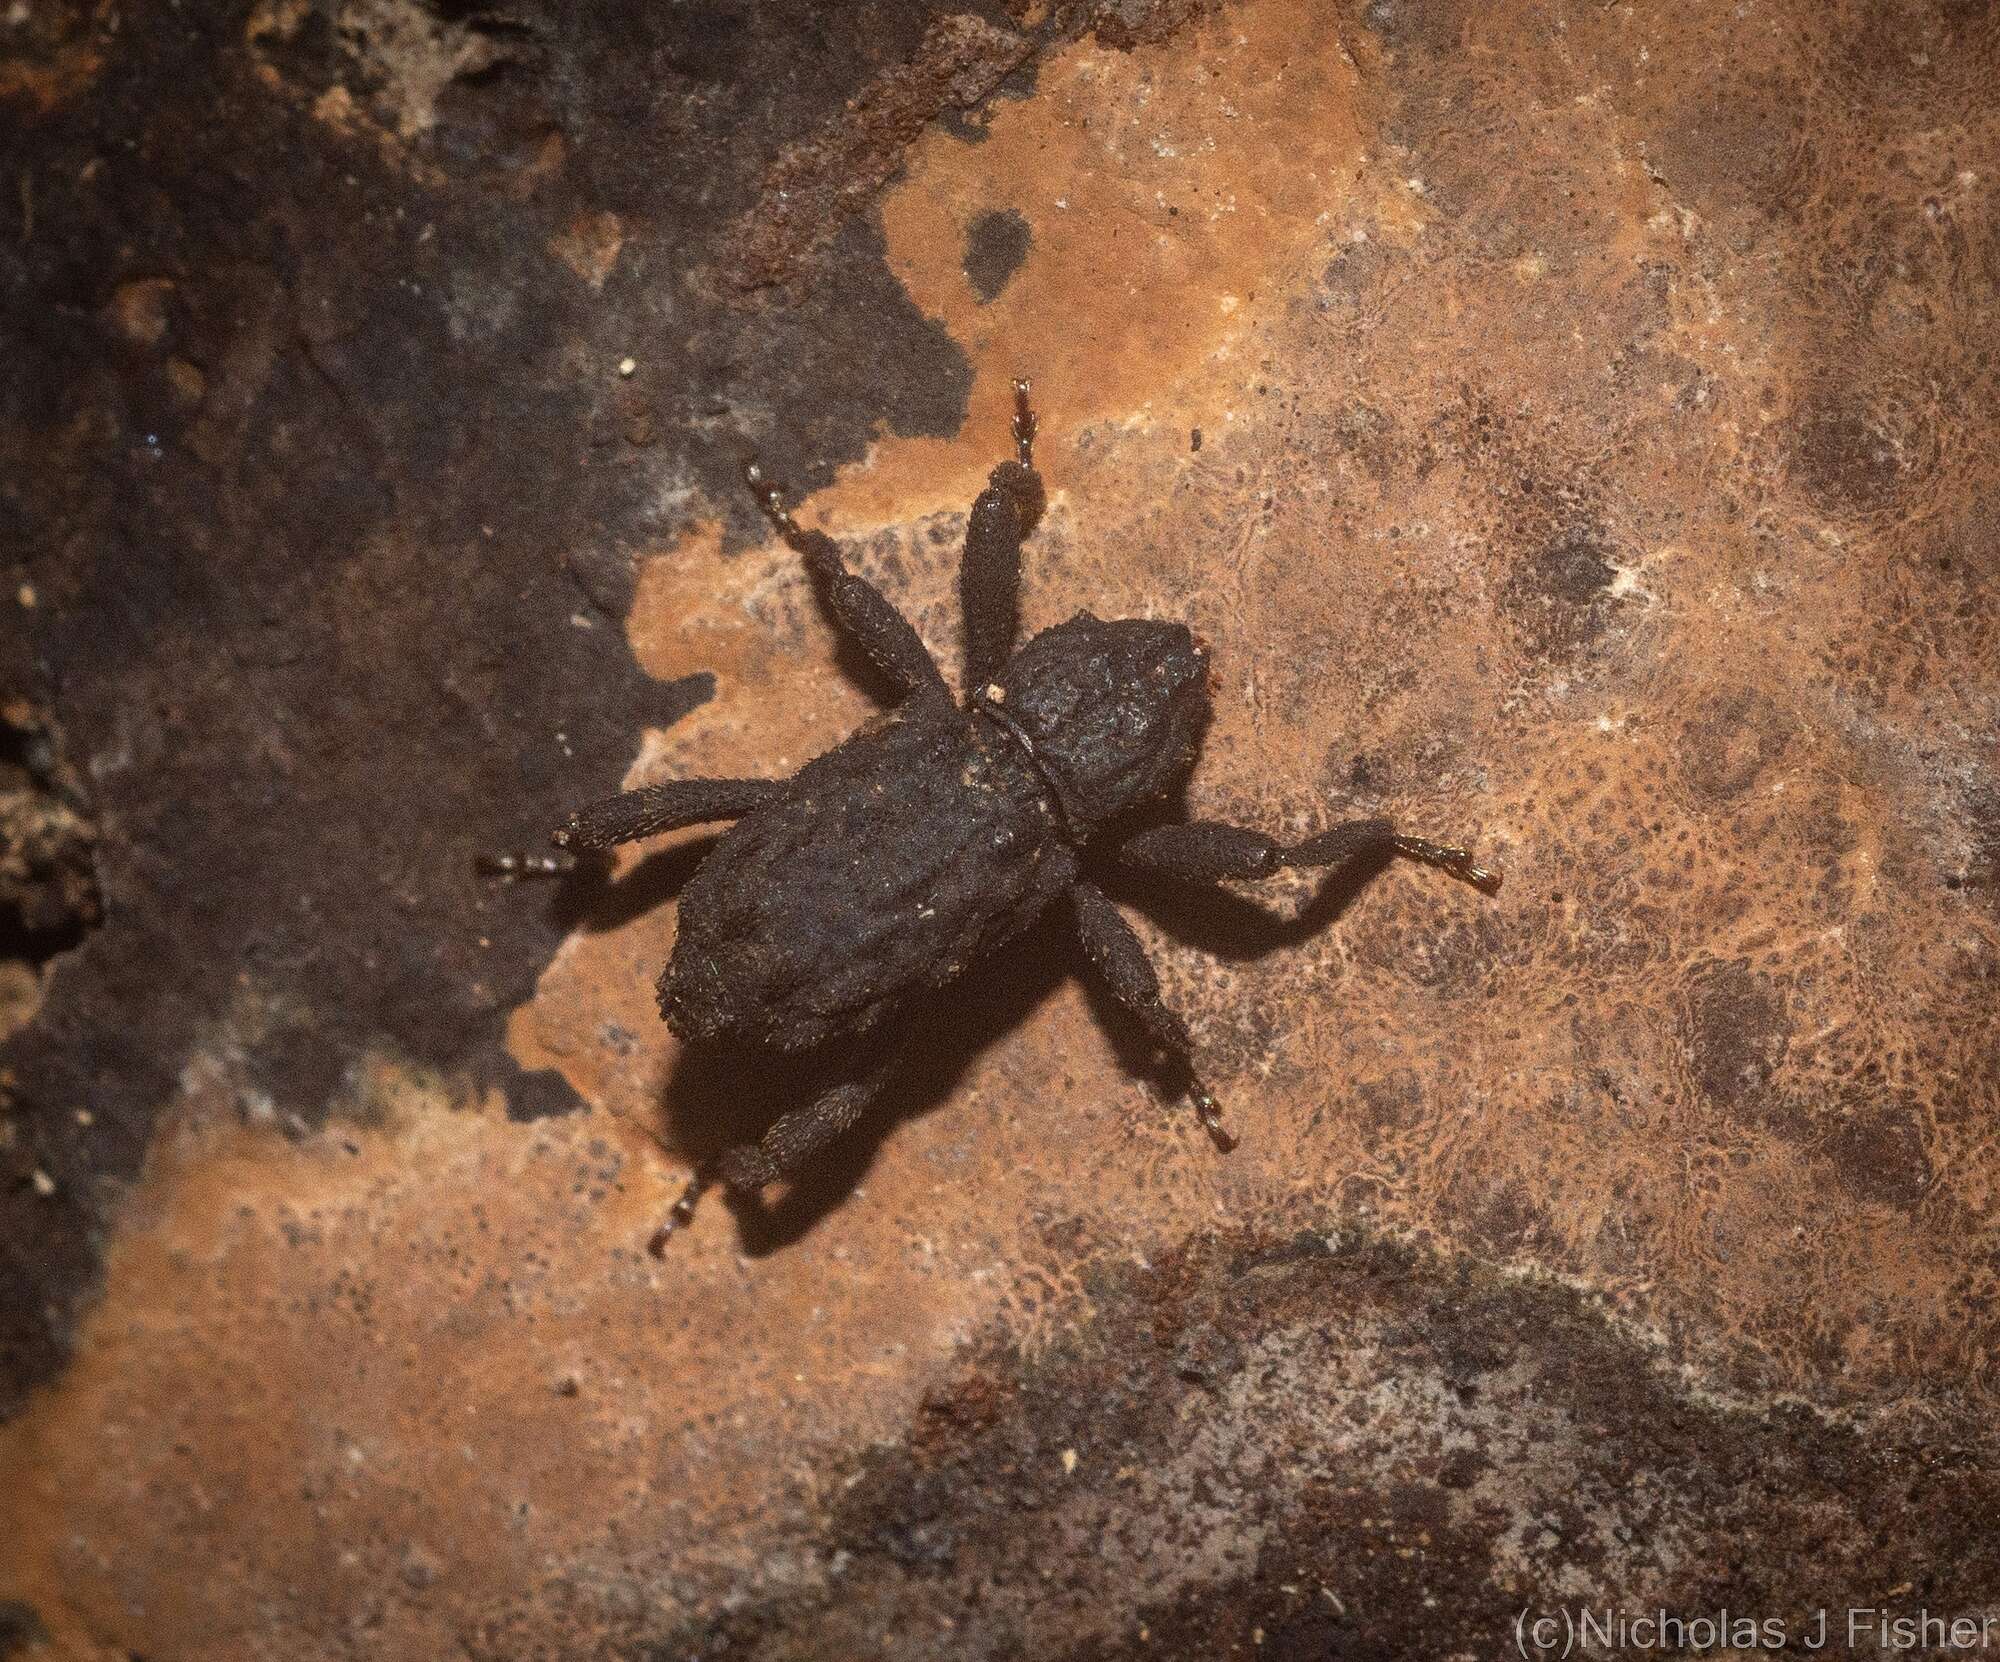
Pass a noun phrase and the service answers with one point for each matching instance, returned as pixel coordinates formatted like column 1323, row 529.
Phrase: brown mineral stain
column 464, row 1359
column 1168, row 192
column 43, row 74
column 589, row 245
column 138, row 309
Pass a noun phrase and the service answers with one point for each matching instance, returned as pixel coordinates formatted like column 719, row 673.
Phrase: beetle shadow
column 716, row 1099
column 1221, row 924
column 591, row 900
column 1231, row 926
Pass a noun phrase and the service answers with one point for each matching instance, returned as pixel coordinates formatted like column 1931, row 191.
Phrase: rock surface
column 1571, row 427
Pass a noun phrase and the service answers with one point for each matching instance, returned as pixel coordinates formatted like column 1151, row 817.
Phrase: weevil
column 838, row 899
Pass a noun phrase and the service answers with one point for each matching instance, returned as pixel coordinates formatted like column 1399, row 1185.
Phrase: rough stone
column 1596, row 462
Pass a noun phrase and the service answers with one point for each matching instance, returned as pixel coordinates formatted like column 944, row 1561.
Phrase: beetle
column 840, row 897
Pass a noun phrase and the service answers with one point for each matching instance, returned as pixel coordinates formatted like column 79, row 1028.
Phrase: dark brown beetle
column 942, row 830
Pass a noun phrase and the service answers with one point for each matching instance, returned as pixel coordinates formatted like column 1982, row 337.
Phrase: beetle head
column 1114, row 711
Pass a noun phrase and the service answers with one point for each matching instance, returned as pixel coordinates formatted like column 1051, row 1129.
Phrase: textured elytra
column 894, row 862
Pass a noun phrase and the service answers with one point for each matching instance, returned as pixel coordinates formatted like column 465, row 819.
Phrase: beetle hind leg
column 1128, row 972
column 806, row 1129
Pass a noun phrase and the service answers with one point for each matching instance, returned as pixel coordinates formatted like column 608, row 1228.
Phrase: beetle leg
column 681, row 1214
column 863, row 612
column 1203, row 851
column 989, row 574
column 750, row 1166
column 1126, row 969
column 667, row 806
column 651, row 809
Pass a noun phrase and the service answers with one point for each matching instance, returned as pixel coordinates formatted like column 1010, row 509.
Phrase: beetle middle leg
column 645, row 812
column 861, row 609
column 1204, row 851
column 989, row 575
column 1121, row 959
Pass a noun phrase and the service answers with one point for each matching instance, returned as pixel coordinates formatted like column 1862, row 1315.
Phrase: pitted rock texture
column 1570, row 426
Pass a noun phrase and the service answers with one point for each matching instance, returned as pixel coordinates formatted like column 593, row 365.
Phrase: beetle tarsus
column 680, row 1215
column 1457, row 862
column 516, row 866
column 1210, row 1113
column 769, row 498
column 1024, row 423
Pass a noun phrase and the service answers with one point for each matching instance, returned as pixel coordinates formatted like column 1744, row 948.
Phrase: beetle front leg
column 866, row 614
column 646, row 812
column 1204, row 851
column 1128, row 972
column 989, row 574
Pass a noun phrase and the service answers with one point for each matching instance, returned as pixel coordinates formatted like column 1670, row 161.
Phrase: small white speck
column 45, row 1186
column 1069, row 1461
column 26, row 595
column 627, row 365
